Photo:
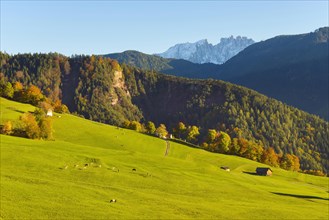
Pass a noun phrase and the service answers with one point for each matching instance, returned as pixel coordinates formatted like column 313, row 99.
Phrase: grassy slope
column 183, row 185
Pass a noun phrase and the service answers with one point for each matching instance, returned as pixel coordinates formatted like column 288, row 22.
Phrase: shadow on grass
column 16, row 110
column 19, row 111
column 299, row 196
column 250, row 173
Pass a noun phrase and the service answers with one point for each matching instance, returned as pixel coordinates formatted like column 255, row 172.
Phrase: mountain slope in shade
column 203, row 52
column 293, row 69
column 177, row 67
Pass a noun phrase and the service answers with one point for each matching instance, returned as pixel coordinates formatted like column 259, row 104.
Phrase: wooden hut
column 264, row 171
column 225, row 168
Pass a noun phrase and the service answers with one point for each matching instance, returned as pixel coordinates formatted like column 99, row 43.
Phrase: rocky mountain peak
column 203, row 52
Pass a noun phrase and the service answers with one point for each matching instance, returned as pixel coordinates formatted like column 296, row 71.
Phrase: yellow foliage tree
column 30, row 126
column 7, row 128
column 34, row 95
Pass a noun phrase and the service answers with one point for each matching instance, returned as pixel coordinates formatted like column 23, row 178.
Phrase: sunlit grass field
column 40, row 179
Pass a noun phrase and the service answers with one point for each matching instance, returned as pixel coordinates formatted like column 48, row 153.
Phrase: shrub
column 46, row 128
column 30, row 126
column 7, row 128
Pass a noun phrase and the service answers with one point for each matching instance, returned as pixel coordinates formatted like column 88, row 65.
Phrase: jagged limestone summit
column 204, row 52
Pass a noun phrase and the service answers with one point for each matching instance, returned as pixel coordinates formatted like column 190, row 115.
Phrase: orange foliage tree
column 34, row 95
column 269, row 157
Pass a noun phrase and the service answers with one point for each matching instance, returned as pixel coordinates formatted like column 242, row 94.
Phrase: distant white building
column 50, row 113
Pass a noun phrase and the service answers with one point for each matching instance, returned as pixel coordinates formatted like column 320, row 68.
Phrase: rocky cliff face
column 203, row 52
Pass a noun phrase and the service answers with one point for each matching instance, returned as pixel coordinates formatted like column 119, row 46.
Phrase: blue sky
column 99, row 27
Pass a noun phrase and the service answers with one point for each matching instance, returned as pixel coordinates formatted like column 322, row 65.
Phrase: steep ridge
column 293, row 69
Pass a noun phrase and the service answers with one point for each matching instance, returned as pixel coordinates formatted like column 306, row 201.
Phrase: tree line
column 221, row 142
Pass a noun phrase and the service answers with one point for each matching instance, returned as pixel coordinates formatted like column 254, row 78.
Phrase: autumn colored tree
column 63, row 109
column 136, row 126
column 161, row 131
column 126, row 124
column 224, row 141
column 150, row 127
column 34, row 95
column 6, row 89
column 244, row 144
column 296, row 163
column 59, row 107
column 180, row 130
column 30, row 126
column 18, row 86
column 205, row 145
column 46, row 128
column 211, row 135
column 314, row 172
column 235, row 146
column 7, row 128
column 44, row 106
column 18, row 91
column 254, row 151
column 289, row 162
column 269, row 157
column 192, row 134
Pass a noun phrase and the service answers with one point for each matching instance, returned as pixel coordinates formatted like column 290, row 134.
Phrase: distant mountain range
column 203, row 52
column 292, row 69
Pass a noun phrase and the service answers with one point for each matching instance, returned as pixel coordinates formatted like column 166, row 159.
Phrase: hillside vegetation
column 39, row 179
column 290, row 68
column 176, row 67
column 100, row 89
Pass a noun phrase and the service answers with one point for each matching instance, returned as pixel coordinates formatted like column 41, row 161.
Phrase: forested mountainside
column 292, row 69
column 176, row 67
column 100, row 89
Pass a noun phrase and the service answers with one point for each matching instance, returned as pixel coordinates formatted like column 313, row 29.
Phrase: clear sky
column 100, row 27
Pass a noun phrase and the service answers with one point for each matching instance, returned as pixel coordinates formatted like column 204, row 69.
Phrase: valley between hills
column 137, row 136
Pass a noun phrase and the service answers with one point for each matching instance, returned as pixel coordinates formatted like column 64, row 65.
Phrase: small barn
column 50, row 113
column 264, row 171
column 225, row 168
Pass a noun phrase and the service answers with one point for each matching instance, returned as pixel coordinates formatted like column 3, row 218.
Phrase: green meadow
column 48, row 179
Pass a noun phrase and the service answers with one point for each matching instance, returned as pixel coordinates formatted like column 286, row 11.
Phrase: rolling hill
column 101, row 90
column 185, row 184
